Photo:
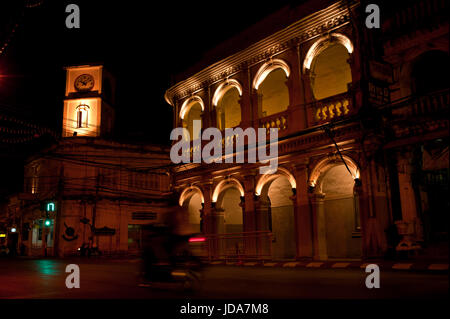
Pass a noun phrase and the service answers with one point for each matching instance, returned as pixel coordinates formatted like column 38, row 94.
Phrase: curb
column 435, row 267
column 397, row 266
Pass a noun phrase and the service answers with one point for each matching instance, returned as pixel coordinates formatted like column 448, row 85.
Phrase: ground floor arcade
column 324, row 207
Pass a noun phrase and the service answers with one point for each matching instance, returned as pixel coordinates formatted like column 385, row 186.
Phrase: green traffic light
column 47, row 222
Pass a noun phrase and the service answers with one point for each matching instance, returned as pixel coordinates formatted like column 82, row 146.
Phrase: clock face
column 84, row 82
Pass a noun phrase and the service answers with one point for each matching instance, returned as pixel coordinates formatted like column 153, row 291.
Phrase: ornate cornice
column 301, row 31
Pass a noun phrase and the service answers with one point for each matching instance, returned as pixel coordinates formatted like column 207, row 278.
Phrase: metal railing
column 255, row 245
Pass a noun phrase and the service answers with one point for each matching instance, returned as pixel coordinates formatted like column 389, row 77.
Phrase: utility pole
column 94, row 209
column 56, row 224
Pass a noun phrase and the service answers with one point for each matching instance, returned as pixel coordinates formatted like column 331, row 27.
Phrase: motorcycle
column 169, row 261
column 86, row 250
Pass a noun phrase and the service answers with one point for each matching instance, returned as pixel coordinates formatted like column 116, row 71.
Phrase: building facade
column 363, row 134
column 87, row 188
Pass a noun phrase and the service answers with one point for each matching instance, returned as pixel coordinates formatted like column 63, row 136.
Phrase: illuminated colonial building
column 363, row 140
column 88, row 188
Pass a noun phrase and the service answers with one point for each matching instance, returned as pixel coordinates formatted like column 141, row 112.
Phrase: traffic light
column 47, row 222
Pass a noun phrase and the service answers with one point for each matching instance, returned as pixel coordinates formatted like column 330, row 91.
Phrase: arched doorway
column 276, row 195
column 229, row 203
column 335, row 204
column 341, row 213
column 229, row 218
column 191, row 200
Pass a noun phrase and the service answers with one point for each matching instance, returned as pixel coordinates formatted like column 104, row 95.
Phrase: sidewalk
column 406, row 265
column 438, row 266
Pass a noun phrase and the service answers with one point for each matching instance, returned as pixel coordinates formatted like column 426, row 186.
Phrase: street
column 105, row 279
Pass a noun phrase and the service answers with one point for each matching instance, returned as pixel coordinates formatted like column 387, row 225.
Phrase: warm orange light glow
column 322, row 44
column 223, row 88
column 190, row 191
column 268, row 67
column 223, row 185
column 324, row 165
column 82, row 116
column 270, row 177
column 188, row 103
column 74, row 71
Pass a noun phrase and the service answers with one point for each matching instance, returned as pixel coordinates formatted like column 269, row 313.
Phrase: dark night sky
column 142, row 44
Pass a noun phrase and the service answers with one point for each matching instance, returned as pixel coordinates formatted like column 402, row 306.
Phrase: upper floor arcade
column 302, row 76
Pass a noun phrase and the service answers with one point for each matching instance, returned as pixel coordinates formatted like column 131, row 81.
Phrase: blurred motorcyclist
column 166, row 246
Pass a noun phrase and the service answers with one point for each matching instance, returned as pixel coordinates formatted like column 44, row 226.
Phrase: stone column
column 256, row 105
column 207, row 218
column 302, row 211
column 308, row 98
column 370, row 197
column 205, row 211
column 206, row 115
column 296, row 100
column 217, row 227
column 410, row 227
column 262, row 223
column 246, row 101
column 361, row 195
column 319, row 230
column 249, row 201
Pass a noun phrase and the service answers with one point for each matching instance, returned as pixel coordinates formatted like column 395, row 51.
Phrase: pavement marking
column 250, row 263
column 340, row 265
column 314, row 265
column 269, row 264
column 438, row 267
column 290, row 264
column 401, row 266
column 364, row 265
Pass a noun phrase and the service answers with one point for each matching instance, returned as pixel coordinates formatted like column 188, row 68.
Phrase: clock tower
column 90, row 94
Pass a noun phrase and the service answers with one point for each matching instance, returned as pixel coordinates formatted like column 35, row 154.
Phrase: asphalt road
column 106, row 279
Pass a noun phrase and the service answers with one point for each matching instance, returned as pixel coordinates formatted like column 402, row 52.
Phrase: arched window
column 328, row 63
column 273, row 93
column 82, row 115
column 330, row 72
column 228, row 109
column 191, row 110
column 194, row 113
